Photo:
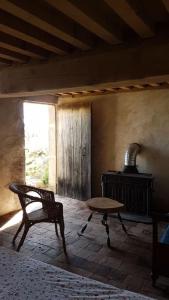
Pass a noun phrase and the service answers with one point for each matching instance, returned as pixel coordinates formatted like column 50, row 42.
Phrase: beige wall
column 142, row 117
column 11, row 151
column 117, row 120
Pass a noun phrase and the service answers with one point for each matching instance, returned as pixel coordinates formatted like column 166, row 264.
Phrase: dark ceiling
column 40, row 29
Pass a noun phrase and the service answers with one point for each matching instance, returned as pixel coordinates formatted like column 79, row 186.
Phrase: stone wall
column 142, row 117
column 11, row 151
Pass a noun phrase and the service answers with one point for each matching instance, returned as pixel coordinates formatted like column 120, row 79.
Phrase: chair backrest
column 25, row 197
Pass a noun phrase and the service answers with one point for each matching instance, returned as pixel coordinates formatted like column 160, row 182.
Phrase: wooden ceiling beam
column 85, row 19
column 16, row 49
column 166, row 4
column 16, row 45
column 6, row 54
column 5, row 61
column 125, row 11
column 22, row 9
column 13, row 26
column 27, row 38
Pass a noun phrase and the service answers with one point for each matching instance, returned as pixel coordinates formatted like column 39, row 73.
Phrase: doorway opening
column 40, row 145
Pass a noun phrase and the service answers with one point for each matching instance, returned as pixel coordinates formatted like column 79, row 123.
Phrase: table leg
column 122, row 224
column 85, row 226
column 104, row 223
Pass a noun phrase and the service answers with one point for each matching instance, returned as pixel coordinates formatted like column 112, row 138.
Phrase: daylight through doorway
column 40, row 164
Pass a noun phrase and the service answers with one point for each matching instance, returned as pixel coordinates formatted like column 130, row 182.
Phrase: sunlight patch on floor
column 17, row 218
column 13, row 221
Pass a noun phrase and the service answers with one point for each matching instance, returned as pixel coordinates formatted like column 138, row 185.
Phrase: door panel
column 74, row 150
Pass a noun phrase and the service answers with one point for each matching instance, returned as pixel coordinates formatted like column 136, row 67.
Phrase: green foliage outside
column 45, row 178
column 37, row 169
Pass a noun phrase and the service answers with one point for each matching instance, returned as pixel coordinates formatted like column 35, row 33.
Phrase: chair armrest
column 53, row 209
column 44, row 194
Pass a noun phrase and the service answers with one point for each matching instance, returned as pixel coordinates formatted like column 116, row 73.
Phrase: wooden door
column 74, row 150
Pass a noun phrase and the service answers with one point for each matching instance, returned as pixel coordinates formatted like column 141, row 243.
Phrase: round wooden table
column 104, row 205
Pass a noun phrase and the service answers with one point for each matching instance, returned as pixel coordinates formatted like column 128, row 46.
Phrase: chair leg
column 16, row 234
column 62, row 228
column 23, row 237
column 104, row 223
column 56, row 229
column 85, row 226
column 122, row 224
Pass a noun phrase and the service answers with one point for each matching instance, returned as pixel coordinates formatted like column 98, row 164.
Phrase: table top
column 103, row 204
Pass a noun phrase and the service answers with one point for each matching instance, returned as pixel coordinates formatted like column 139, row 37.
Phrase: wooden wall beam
column 128, row 14
column 84, row 18
column 42, row 99
column 144, row 62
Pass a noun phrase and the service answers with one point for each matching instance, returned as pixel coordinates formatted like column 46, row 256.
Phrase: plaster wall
column 120, row 119
column 11, row 152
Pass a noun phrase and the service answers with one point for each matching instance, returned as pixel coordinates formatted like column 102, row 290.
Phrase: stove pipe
column 130, row 158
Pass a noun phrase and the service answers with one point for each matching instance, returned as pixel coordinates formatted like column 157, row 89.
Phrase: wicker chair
column 51, row 211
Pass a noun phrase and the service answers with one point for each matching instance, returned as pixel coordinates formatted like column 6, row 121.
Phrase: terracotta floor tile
column 126, row 265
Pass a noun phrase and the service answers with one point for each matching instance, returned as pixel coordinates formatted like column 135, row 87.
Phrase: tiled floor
column 127, row 265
